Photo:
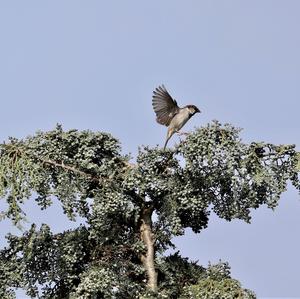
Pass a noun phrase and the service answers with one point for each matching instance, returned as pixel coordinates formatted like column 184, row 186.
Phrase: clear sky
column 93, row 65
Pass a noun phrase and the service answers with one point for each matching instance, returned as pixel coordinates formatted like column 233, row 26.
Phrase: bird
column 168, row 113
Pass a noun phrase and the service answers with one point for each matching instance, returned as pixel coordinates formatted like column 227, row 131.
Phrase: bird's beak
column 198, row 110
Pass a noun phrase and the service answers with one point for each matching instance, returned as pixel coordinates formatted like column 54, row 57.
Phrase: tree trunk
column 148, row 258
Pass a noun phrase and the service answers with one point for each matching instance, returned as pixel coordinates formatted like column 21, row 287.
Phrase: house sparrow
column 168, row 113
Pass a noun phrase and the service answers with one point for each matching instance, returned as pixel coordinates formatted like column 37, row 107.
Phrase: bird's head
column 193, row 109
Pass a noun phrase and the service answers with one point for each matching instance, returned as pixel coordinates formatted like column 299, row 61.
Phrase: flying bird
column 168, row 113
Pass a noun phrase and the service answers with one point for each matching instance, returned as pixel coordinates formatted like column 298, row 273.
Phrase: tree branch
column 16, row 151
column 69, row 168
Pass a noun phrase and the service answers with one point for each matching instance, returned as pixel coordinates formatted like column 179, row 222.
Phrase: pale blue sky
column 94, row 64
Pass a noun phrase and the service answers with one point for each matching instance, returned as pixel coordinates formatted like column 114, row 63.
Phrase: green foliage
column 217, row 284
column 67, row 165
column 69, row 263
column 226, row 288
column 234, row 176
column 211, row 169
column 175, row 272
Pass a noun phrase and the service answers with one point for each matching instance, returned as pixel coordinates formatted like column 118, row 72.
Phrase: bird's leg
column 171, row 131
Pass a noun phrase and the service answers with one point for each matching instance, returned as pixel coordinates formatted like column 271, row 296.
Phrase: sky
column 94, row 64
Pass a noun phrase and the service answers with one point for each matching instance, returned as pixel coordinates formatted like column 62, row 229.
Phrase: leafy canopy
column 86, row 171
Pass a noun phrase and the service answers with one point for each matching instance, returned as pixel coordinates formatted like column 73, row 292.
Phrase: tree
column 131, row 211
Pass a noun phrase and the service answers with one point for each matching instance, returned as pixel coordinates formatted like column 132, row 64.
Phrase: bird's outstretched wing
column 165, row 107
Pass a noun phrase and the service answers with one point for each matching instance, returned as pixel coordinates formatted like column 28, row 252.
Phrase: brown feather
column 165, row 107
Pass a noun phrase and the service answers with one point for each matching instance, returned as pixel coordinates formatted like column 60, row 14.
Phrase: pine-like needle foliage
column 132, row 211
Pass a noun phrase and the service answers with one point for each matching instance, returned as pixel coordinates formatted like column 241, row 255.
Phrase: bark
column 148, row 239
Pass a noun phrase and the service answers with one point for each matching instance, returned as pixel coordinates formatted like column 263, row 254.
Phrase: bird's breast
column 180, row 119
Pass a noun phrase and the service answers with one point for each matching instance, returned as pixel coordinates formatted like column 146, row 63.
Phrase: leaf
column 298, row 164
